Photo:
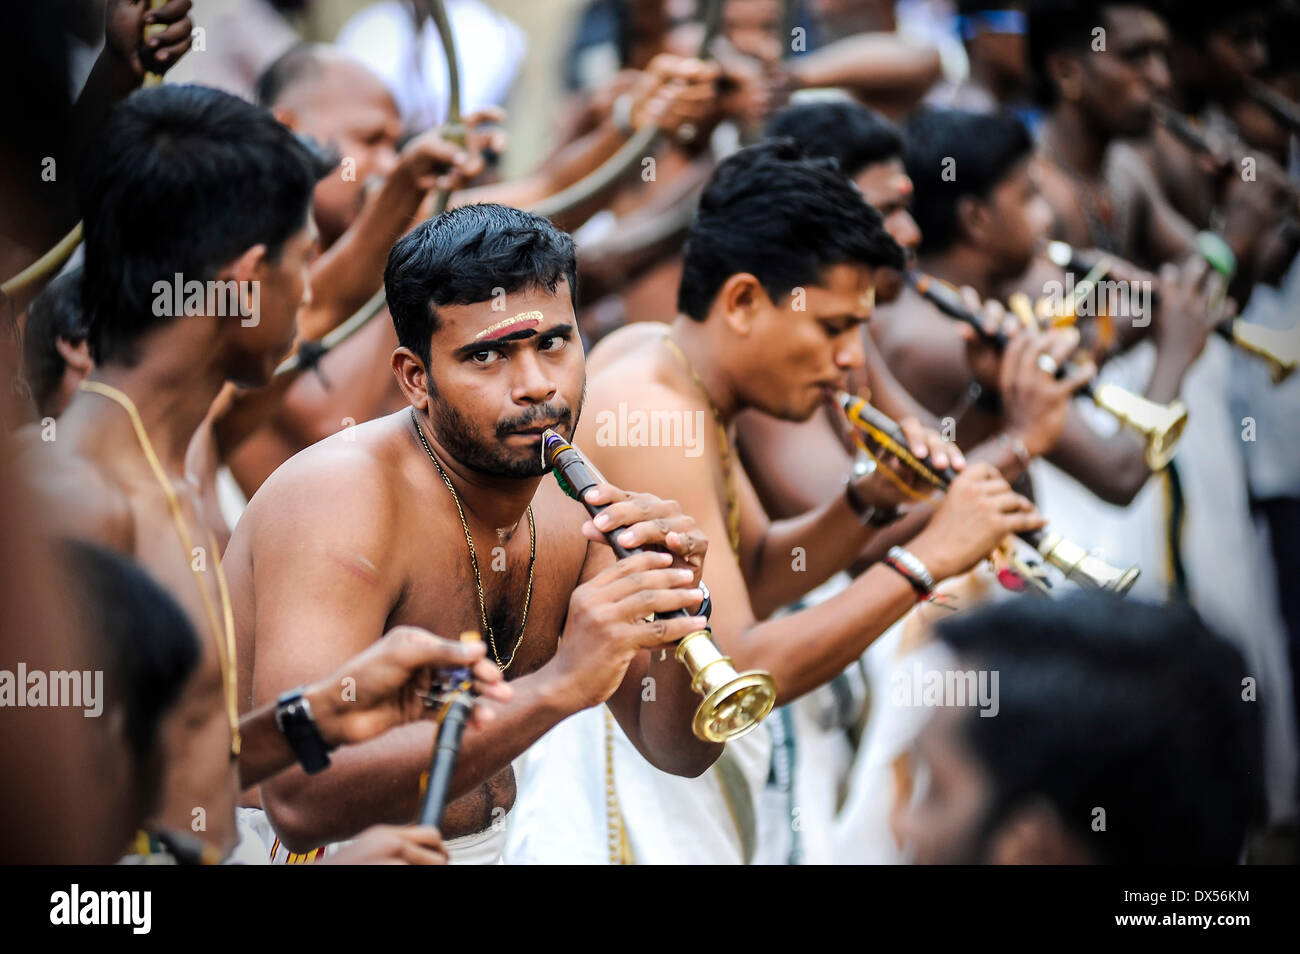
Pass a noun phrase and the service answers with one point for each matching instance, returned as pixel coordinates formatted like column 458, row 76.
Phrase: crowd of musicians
column 866, row 435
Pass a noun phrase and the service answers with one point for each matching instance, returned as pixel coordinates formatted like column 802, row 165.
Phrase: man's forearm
column 264, row 751
column 871, row 64
column 571, row 165
column 664, row 716
column 1113, row 468
column 1172, row 364
column 110, row 81
column 898, row 534
column 351, row 270
column 800, row 553
column 807, row 649
column 378, row 782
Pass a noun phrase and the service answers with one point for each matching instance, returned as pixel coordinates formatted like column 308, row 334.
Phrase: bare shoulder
column 630, row 413
column 631, row 339
column 344, row 487
column 76, row 497
column 629, row 375
column 645, row 436
column 911, row 324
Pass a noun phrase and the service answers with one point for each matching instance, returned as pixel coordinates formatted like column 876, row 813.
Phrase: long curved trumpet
column 1161, row 425
column 1071, row 559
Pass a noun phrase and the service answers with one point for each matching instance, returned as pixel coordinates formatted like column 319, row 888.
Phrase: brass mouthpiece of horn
column 1161, row 425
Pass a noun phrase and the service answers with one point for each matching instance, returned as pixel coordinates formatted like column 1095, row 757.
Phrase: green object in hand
column 1218, row 253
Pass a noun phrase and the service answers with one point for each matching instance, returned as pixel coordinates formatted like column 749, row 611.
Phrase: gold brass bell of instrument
column 734, row 702
column 1161, row 425
column 1082, row 567
column 1281, row 349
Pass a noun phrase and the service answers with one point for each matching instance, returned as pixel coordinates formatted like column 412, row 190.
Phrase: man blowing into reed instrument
column 779, row 276
column 439, row 516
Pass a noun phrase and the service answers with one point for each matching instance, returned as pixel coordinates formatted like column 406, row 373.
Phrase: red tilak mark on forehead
column 508, row 326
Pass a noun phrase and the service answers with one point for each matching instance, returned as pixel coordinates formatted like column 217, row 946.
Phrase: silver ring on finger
column 1048, row 364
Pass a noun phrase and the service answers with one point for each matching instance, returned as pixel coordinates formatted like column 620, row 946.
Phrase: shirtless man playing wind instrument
column 779, row 277
column 439, row 516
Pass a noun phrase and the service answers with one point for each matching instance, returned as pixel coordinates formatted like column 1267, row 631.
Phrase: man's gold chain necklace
column 728, row 479
column 473, row 558
column 223, row 630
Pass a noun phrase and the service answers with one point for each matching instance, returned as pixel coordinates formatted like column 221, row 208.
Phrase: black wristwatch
column 293, row 716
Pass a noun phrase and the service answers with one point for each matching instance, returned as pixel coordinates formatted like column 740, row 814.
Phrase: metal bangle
column 910, row 562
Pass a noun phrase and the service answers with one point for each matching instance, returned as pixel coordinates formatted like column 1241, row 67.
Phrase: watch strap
column 867, row 514
column 294, row 717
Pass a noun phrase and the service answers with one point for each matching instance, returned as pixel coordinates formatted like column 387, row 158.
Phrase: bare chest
column 1093, row 213
column 516, row 602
